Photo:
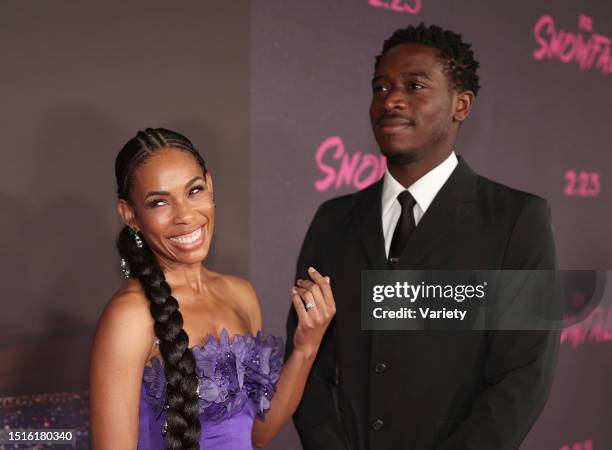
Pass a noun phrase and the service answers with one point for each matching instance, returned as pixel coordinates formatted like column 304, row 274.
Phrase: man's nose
column 396, row 99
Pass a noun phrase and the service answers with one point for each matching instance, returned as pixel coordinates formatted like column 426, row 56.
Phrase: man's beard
column 414, row 153
column 405, row 156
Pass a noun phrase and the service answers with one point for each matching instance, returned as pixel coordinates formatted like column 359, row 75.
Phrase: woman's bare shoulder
column 127, row 319
column 129, row 300
column 118, row 357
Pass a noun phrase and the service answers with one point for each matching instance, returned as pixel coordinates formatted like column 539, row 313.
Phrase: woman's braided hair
column 182, row 413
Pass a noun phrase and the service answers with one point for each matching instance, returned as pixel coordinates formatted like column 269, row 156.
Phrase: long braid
column 182, row 415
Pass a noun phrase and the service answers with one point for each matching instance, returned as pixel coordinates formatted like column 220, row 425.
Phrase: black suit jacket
column 431, row 389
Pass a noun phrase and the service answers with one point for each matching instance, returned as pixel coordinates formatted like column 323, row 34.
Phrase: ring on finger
column 310, row 305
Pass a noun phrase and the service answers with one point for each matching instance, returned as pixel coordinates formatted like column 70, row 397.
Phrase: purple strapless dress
column 237, row 380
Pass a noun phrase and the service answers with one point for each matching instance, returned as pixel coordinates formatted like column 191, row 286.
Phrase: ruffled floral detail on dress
column 230, row 373
column 262, row 366
column 154, row 381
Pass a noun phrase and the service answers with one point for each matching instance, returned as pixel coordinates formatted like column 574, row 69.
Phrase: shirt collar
column 423, row 190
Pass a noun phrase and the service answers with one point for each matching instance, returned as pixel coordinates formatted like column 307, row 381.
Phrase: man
column 430, row 389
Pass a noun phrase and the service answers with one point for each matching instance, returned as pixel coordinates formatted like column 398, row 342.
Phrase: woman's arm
column 123, row 341
column 311, row 327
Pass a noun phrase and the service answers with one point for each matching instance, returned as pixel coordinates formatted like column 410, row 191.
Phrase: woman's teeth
column 188, row 238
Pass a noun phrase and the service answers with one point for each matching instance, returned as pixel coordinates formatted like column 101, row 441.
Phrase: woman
column 179, row 361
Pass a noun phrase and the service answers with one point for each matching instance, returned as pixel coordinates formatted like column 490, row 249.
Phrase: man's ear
column 126, row 212
column 463, row 105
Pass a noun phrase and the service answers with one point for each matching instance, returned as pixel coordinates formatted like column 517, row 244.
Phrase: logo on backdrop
column 582, row 184
column 584, row 48
column 341, row 169
column 400, row 6
column 581, row 445
column 596, row 328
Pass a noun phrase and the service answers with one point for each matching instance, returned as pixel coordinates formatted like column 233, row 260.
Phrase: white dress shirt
column 424, row 190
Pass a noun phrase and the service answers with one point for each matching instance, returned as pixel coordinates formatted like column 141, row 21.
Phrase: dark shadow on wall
column 49, row 359
column 61, row 257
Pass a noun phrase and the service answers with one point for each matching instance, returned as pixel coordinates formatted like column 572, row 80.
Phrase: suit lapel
column 368, row 225
column 453, row 202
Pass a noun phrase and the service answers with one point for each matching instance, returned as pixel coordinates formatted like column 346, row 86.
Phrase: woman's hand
column 315, row 307
column 312, row 323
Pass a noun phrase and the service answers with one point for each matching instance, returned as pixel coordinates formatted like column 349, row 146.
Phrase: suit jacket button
column 377, row 425
column 380, row 367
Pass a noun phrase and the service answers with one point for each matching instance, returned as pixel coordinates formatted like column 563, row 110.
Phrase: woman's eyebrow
column 153, row 193
column 194, row 179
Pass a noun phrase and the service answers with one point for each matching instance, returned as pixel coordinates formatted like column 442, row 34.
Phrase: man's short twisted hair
column 455, row 55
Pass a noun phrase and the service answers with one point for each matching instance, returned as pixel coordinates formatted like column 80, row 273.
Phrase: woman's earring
column 125, row 268
column 137, row 237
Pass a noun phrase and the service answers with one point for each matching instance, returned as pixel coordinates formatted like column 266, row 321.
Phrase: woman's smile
column 188, row 241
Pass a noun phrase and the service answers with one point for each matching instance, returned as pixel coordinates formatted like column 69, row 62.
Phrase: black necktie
column 404, row 228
